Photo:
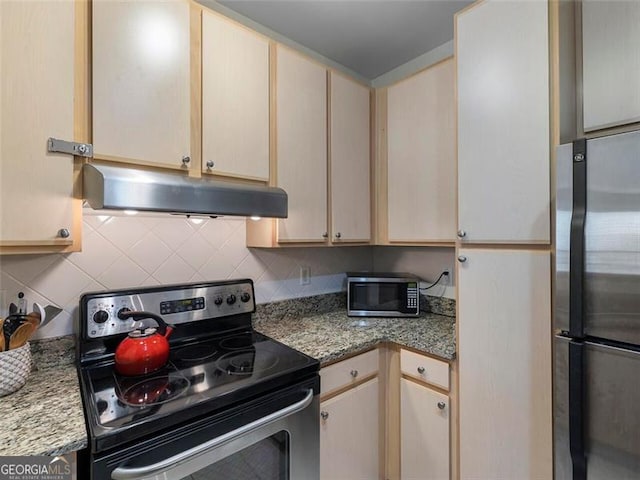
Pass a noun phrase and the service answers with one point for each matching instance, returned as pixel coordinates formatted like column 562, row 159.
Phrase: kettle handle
column 141, row 315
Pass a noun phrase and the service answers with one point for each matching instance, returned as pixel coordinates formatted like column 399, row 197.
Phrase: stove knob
column 121, row 311
column 218, row 301
column 101, row 316
column 231, row 299
column 245, row 297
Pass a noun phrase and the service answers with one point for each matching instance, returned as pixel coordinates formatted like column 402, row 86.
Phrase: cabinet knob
column 64, row 233
column 420, row 370
column 354, row 373
column 462, row 258
column 210, row 164
column 462, row 234
column 324, row 415
column 441, row 405
column 338, row 235
column 325, row 235
column 185, row 160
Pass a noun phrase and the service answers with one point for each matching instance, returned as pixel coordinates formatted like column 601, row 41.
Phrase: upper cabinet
column 421, row 167
column 235, row 100
column 610, row 63
column 141, row 82
column 503, row 123
column 350, row 162
column 301, row 145
column 38, row 85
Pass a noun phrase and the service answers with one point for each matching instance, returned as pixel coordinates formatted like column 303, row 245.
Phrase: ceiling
column 370, row 37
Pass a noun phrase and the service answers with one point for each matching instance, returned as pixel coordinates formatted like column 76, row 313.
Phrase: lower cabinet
column 424, row 437
column 349, row 434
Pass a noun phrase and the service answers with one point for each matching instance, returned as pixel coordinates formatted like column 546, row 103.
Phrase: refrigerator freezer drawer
column 611, row 412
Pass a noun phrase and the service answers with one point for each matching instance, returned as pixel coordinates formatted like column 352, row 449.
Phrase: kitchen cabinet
column 421, row 165
column 350, row 160
column 424, row 432
column 301, row 125
column 141, row 82
column 38, row 96
column 235, row 99
column 610, row 63
column 302, row 157
column 504, row 355
column 502, row 55
column 349, row 434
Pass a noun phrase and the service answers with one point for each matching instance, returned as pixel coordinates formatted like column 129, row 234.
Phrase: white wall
column 122, row 251
column 425, row 262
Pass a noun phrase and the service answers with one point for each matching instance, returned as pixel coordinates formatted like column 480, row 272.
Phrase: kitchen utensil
column 34, row 319
column 144, row 350
column 50, row 312
column 39, row 309
column 15, row 366
column 13, row 308
column 10, row 325
column 1, row 335
column 21, row 335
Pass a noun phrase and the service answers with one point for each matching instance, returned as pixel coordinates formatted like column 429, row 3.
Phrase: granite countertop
column 45, row 417
column 333, row 335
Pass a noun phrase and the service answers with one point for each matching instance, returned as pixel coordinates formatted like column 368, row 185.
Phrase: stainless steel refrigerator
column 597, row 309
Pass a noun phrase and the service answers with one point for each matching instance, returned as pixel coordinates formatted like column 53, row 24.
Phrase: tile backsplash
column 122, row 251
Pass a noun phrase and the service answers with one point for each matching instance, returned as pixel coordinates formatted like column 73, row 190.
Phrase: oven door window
column 378, row 297
column 267, row 459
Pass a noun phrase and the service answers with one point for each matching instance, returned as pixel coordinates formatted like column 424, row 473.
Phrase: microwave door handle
column 149, row 471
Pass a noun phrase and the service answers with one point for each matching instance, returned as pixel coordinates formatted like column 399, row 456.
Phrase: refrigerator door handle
column 577, row 240
column 576, row 410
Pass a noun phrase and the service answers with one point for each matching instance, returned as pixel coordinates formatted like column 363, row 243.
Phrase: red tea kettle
column 145, row 350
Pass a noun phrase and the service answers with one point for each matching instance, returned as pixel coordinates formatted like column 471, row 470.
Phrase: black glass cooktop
column 199, row 377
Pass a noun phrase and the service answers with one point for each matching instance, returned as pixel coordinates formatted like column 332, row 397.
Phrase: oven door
column 275, row 438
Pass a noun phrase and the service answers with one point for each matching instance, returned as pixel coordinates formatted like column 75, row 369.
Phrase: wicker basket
column 15, row 366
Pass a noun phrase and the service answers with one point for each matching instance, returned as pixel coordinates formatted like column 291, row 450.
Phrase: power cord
column 445, row 273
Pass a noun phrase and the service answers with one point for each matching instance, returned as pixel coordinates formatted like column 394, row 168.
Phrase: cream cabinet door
column 503, row 122
column 37, row 97
column 235, row 99
column 141, row 81
column 421, row 158
column 424, row 437
column 504, row 355
column 350, row 160
column 301, row 111
column 610, row 63
column 349, row 434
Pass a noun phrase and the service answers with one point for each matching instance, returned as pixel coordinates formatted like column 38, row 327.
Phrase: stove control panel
column 176, row 304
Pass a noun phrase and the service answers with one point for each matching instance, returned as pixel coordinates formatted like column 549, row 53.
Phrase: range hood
column 124, row 188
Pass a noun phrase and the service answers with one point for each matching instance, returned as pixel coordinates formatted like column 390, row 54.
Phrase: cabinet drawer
column 425, row 368
column 348, row 371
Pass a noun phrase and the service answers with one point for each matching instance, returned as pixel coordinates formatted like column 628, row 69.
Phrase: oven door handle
column 140, row 473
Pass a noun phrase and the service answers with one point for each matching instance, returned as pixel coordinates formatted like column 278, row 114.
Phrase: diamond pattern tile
column 122, row 251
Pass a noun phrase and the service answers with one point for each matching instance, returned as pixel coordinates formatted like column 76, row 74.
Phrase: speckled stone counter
column 320, row 327
column 45, row 417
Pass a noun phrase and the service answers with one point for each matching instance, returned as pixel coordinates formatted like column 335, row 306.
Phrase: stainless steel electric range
column 230, row 403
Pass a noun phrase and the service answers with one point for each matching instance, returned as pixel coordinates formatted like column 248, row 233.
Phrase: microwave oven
column 373, row 294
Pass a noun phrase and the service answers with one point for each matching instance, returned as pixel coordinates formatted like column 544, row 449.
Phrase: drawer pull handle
column 354, row 373
column 441, row 405
column 324, row 415
column 420, row 370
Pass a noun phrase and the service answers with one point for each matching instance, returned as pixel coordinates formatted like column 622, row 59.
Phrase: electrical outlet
column 446, row 279
column 305, row 275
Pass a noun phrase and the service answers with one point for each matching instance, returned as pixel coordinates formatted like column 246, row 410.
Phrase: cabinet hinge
column 72, row 148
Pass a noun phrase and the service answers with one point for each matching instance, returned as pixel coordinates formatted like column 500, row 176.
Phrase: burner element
column 196, row 353
column 246, row 362
column 155, row 390
column 238, row 342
